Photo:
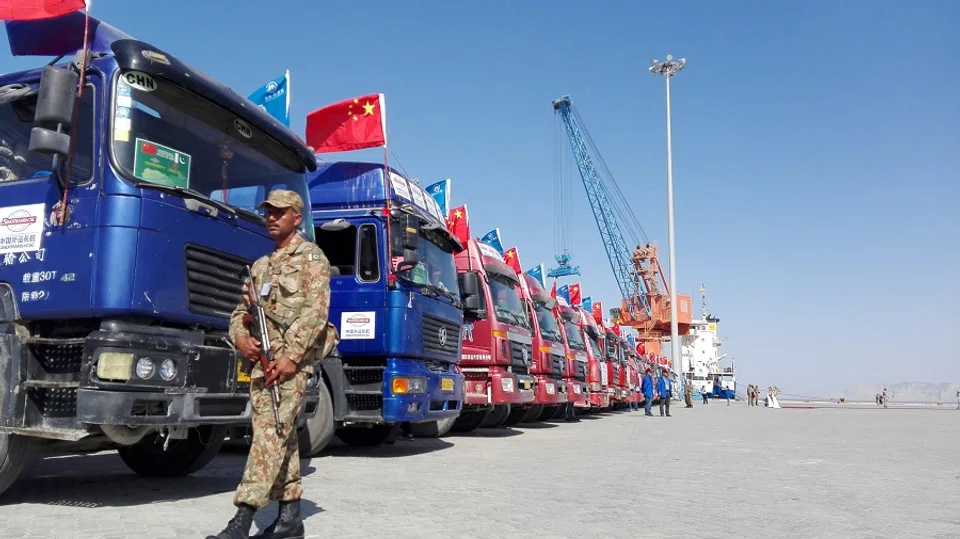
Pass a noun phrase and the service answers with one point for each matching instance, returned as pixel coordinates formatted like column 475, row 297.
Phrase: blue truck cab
column 114, row 310
column 399, row 330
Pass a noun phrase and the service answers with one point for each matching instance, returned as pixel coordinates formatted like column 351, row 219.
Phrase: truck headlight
column 145, row 367
column 168, row 370
column 114, row 366
column 409, row 385
column 506, row 384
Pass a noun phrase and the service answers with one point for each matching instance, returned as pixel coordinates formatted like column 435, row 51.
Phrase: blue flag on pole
column 492, row 239
column 564, row 292
column 440, row 192
column 588, row 303
column 274, row 97
column 538, row 273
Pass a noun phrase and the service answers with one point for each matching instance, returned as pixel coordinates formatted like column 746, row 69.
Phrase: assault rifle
column 266, row 351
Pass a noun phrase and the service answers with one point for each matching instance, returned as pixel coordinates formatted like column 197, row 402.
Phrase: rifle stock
column 266, row 351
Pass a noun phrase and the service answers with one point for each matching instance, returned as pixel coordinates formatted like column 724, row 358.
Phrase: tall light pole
column 669, row 69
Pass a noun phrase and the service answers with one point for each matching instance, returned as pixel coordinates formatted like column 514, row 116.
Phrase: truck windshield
column 437, row 268
column 548, row 324
column 16, row 121
column 574, row 337
column 506, row 302
column 595, row 347
column 166, row 137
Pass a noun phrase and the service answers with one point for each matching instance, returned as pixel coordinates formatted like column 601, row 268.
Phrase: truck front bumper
column 550, row 391
column 577, row 393
column 501, row 387
column 443, row 396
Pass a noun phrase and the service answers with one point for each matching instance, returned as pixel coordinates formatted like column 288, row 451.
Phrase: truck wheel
column 13, row 455
column 317, row 432
column 533, row 413
column 469, row 421
column 515, row 416
column 366, row 436
column 497, row 416
column 182, row 457
column 433, row 429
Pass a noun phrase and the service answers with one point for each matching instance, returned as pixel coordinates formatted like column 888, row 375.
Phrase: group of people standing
column 662, row 388
column 753, row 395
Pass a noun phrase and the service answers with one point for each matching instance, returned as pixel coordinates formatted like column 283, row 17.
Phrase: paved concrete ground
column 710, row 472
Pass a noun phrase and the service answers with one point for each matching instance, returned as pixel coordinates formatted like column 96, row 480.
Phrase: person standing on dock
column 688, row 393
column 665, row 389
column 646, row 385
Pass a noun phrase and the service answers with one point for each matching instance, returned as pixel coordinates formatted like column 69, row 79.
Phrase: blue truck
column 396, row 302
column 114, row 307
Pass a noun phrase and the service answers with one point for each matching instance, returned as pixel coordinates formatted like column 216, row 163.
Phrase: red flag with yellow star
column 575, row 296
column 352, row 124
column 459, row 224
column 512, row 257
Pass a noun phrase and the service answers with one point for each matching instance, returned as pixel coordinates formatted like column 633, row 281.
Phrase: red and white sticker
column 21, row 228
column 357, row 325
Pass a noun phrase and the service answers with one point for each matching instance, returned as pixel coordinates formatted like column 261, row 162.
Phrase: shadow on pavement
column 483, row 432
column 539, row 425
column 102, row 480
column 398, row 449
column 265, row 516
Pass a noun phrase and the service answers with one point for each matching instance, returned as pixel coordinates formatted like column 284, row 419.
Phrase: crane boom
column 618, row 254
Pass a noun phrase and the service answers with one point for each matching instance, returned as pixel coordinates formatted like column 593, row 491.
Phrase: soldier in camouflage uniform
column 294, row 287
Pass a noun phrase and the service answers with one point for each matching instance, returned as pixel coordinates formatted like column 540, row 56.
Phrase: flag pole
column 386, row 189
column 76, row 111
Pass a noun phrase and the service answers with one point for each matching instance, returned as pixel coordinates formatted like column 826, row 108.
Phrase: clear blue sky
column 816, row 179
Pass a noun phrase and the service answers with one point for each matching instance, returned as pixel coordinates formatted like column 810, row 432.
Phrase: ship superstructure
column 700, row 357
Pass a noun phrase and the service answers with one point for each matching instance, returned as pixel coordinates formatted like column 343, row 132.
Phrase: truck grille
column 518, row 352
column 440, row 338
column 214, row 281
column 559, row 364
column 581, row 371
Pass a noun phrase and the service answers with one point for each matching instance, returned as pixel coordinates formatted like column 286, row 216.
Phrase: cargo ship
column 700, row 357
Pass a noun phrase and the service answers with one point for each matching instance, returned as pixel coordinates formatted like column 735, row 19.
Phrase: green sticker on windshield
column 156, row 163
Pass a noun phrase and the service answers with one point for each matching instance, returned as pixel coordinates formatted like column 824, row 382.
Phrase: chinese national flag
column 616, row 329
column 575, row 297
column 352, row 124
column 598, row 312
column 553, row 291
column 459, row 223
column 641, row 349
column 31, row 10
column 512, row 258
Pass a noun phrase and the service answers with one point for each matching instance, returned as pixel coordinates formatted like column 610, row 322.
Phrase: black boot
column 288, row 524
column 239, row 525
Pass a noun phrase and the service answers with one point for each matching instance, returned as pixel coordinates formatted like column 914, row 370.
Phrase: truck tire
column 366, row 436
column 433, row 429
column 317, row 432
column 496, row 417
column 183, row 457
column 13, row 455
column 533, row 413
column 469, row 421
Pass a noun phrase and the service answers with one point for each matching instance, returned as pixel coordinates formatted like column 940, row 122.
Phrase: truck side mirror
column 54, row 113
column 410, row 260
column 410, row 232
column 470, row 291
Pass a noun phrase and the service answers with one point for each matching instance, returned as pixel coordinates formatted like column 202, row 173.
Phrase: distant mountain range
column 907, row 392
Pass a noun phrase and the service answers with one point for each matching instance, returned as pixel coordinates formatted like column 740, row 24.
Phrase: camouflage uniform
column 297, row 304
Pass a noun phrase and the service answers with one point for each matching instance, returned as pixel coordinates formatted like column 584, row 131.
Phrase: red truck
column 578, row 365
column 496, row 338
column 549, row 353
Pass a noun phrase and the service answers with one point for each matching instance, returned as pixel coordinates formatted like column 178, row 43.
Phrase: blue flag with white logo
column 588, row 304
column 631, row 341
column 440, row 192
column 564, row 292
column 274, row 97
column 538, row 273
column 492, row 239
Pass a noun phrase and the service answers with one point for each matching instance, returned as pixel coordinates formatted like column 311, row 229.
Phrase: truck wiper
column 194, row 194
